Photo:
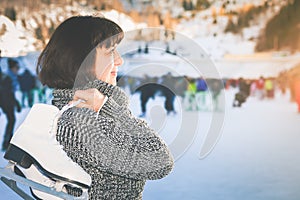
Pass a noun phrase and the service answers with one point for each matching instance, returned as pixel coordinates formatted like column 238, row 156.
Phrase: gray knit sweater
column 118, row 150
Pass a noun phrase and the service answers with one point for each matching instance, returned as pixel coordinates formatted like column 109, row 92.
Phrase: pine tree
column 283, row 30
column 11, row 13
column 231, row 26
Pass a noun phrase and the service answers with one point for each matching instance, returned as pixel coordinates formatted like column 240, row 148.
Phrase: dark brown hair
column 70, row 44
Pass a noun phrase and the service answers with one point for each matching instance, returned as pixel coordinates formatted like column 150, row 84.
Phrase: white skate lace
column 68, row 106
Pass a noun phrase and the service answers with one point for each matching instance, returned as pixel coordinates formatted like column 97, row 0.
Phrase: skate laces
column 68, row 106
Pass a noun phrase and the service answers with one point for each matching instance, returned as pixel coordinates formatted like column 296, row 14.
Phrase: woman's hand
column 93, row 99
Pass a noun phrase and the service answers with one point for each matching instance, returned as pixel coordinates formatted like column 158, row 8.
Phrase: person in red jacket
column 296, row 85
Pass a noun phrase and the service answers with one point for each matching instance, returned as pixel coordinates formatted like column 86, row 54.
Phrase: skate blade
column 21, row 158
column 11, row 179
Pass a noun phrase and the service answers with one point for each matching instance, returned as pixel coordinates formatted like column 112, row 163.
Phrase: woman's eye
column 110, row 52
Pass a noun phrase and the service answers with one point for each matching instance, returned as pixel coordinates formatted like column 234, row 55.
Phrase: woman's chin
column 113, row 81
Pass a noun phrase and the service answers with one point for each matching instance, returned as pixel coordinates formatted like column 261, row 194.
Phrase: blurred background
column 253, row 46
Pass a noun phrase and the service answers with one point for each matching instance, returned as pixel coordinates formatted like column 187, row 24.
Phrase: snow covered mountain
column 31, row 30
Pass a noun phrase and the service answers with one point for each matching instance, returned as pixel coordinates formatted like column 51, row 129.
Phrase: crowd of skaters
column 193, row 92
column 11, row 82
column 203, row 94
column 196, row 94
column 262, row 88
column 265, row 88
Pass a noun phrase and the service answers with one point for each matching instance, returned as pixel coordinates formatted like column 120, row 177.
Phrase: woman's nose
column 118, row 60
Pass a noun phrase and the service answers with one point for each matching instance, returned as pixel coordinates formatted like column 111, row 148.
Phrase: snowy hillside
column 32, row 28
column 12, row 40
column 207, row 28
column 31, row 31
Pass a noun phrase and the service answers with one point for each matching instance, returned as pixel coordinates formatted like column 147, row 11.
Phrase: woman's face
column 107, row 63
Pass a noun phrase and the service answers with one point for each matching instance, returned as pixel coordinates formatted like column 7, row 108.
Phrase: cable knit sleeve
column 117, row 142
column 140, row 153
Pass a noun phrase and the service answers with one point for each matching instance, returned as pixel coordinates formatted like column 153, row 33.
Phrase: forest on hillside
column 282, row 32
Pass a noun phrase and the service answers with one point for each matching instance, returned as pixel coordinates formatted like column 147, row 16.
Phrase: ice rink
column 256, row 157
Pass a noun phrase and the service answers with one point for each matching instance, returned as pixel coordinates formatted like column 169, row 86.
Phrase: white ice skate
column 36, row 155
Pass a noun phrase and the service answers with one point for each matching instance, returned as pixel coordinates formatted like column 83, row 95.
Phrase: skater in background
column 8, row 103
column 147, row 90
column 293, row 76
column 269, row 88
column 41, row 91
column 27, row 85
column 243, row 93
column 168, row 90
column 151, row 86
column 118, row 150
column 201, row 93
column 13, row 69
column 189, row 100
column 260, row 88
column 296, row 80
column 282, row 81
column 216, row 88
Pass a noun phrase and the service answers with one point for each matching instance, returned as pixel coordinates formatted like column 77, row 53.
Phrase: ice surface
column 255, row 158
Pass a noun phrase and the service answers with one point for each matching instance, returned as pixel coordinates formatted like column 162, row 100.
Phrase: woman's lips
column 114, row 73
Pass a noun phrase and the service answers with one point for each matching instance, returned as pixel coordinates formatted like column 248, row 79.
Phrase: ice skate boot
column 35, row 150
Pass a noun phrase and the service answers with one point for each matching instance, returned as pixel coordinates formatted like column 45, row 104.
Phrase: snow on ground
column 255, row 158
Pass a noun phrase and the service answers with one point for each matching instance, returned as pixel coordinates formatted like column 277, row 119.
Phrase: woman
column 119, row 151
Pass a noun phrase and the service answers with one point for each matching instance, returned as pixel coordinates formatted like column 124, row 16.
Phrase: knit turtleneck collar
column 63, row 96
